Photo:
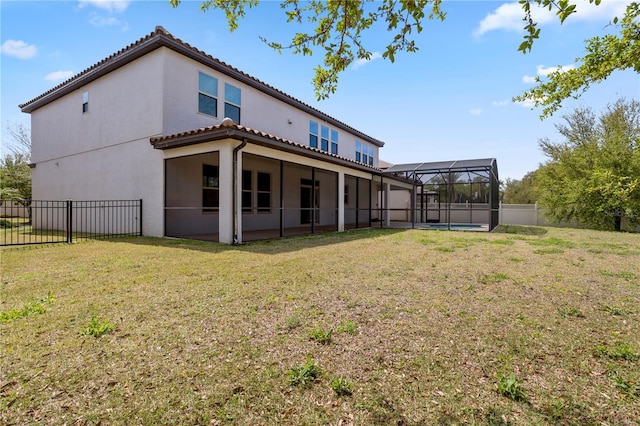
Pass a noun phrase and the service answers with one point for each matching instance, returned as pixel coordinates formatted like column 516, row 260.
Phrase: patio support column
column 313, row 200
column 225, row 214
column 387, row 199
column 281, row 198
column 413, row 205
column 340, row 201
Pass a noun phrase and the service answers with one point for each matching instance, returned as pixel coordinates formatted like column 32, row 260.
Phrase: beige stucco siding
column 258, row 110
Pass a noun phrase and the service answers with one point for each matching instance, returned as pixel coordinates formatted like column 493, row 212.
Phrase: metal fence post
column 140, row 213
column 69, row 221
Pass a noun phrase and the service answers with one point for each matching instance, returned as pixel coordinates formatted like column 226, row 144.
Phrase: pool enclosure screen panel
column 191, row 197
column 452, row 192
column 357, row 202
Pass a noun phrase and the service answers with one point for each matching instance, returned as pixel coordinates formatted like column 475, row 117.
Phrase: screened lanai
column 462, row 194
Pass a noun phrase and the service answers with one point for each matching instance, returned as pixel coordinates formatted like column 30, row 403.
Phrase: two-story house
column 213, row 153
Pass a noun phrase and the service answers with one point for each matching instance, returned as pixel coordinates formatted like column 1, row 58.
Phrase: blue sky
column 450, row 100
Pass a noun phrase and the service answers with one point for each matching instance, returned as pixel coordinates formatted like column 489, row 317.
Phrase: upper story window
column 313, row 134
column 334, row 142
column 232, row 97
column 364, row 153
column 324, row 138
column 319, row 137
column 207, row 94
column 85, row 102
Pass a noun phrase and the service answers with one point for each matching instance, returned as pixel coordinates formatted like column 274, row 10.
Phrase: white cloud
column 542, row 71
column 509, row 16
column 59, row 75
column 102, row 21
column 19, row 49
column 506, row 17
column 118, row 6
column 500, row 103
column 605, row 11
column 361, row 62
column 475, row 111
column 528, row 103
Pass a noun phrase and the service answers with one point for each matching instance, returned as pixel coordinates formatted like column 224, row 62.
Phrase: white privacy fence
column 528, row 214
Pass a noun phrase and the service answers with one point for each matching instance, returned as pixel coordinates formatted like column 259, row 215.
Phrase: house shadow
column 271, row 246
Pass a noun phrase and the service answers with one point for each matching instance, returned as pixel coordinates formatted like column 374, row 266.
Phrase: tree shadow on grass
column 274, row 246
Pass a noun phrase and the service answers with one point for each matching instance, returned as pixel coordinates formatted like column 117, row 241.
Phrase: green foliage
column 511, row 388
column 348, row 326
column 6, row 223
column 293, row 321
column 594, row 175
column 493, row 278
column 570, row 312
column 15, row 173
column 342, row 386
column 524, row 191
column 305, row 374
column 630, row 388
column 97, row 327
column 603, row 55
column 321, row 336
column 519, row 230
column 550, row 250
column 627, row 275
column 341, row 27
column 613, row 310
column 552, row 242
column 34, row 307
column 621, row 351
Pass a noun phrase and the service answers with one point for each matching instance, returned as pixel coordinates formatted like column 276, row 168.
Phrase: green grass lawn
column 400, row 327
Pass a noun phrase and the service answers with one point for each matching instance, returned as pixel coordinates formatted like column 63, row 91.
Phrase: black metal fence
column 47, row 222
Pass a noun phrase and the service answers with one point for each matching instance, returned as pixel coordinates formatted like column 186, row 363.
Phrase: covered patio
column 232, row 184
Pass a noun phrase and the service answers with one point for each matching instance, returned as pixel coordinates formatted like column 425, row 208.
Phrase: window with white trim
column 324, row 138
column 364, row 153
column 207, row 94
column 232, row 97
column 313, row 134
column 334, row 142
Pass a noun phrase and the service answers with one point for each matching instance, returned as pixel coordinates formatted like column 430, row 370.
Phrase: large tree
column 339, row 26
column 523, row 191
column 15, row 173
column 603, row 55
column 593, row 176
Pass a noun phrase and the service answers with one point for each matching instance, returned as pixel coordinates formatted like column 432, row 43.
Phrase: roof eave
column 218, row 134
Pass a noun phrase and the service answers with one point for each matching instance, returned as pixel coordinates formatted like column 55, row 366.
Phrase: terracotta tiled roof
column 162, row 38
column 229, row 129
